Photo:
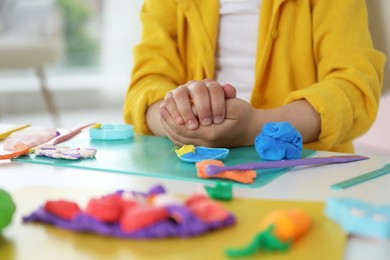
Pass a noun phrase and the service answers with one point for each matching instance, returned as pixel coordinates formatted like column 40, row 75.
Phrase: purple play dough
column 189, row 226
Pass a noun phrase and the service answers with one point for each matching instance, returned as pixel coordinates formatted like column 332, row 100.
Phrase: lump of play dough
column 7, row 209
column 65, row 152
column 278, row 230
column 238, row 176
column 192, row 154
column 140, row 215
column 277, row 141
column 207, row 210
column 30, row 137
column 105, row 210
column 221, row 191
column 63, row 209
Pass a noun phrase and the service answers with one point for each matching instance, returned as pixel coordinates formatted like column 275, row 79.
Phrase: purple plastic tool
column 215, row 169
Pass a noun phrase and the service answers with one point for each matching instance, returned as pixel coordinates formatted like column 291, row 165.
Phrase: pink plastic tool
column 71, row 133
column 64, row 137
column 215, row 169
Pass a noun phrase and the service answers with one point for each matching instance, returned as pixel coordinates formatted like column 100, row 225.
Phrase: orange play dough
column 238, row 176
column 288, row 224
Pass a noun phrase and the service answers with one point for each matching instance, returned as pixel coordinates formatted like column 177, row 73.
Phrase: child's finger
column 229, row 90
column 217, row 100
column 170, row 105
column 200, row 97
column 183, row 101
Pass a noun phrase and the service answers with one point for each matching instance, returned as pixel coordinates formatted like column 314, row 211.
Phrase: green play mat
column 152, row 156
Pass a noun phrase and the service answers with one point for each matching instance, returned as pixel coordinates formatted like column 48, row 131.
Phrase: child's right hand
column 198, row 102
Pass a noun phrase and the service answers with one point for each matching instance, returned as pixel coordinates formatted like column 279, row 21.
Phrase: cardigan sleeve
column 350, row 72
column 157, row 67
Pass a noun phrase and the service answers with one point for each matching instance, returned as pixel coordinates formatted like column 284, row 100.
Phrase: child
column 308, row 62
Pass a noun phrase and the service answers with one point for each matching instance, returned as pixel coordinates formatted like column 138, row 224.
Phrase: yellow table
column 32, row 184
column 40, row 241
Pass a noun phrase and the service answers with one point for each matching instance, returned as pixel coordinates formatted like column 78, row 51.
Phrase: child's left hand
column 198, row 103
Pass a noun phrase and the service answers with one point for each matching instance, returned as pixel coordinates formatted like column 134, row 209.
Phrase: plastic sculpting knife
column 362, row 178
column 10, row 131
column 70, row 134
column 215, row 169
column 64, row 137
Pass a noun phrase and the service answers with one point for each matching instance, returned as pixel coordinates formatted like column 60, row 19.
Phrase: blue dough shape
column 278, row 141
column 360, row 218
column 205, row 153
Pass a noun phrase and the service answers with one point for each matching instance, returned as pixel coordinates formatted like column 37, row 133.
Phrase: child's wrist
column 256, row 124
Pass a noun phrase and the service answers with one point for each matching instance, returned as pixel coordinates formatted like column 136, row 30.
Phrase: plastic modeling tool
column 71, row 134
column 362, row 178
column 215, row 169
column 246, row 177
column 64, row 137
column 10, row 131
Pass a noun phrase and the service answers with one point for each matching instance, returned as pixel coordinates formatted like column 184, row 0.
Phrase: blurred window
column 81, row 33
column 82, row 22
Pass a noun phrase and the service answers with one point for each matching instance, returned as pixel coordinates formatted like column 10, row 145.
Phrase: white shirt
column 237, row 44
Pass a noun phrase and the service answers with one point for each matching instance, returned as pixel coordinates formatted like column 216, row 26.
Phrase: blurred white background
column 84, row 49
column 90, row 74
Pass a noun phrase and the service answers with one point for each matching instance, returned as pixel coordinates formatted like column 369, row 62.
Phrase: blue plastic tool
column 362, row 178
column 111, row 132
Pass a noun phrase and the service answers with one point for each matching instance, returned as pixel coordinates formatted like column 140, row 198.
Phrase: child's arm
column 243, row 123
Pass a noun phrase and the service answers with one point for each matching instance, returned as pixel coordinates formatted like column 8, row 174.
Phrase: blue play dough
column 279, row 141
column 205, row 153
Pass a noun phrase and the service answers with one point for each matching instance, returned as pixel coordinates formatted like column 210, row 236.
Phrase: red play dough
column 61, row 208
column 139, row 217
column 193, row 199
column 106, row 210
column 206, row 209
column 123, row 203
